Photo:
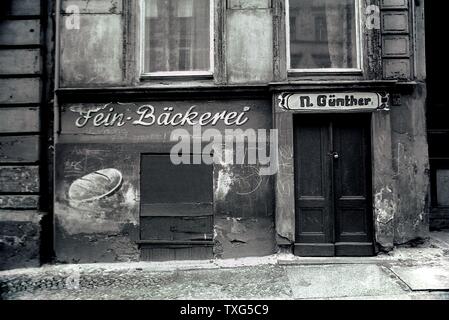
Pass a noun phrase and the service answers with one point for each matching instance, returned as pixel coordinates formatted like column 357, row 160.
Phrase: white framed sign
column 334, row 102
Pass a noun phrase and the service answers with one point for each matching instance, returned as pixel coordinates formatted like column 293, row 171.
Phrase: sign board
column 334, row 102
column 152, row 121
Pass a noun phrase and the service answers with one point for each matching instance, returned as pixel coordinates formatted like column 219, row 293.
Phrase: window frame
column 178, row 74
column 323, row 71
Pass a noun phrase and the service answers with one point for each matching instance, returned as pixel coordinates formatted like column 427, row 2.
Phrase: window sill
column 324, row 72
column 172, row 77
column 160, row 90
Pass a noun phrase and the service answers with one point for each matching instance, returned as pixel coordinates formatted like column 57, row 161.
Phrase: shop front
column 326, row 118
column 161, row 180
column 197, row 129
column 336, row 191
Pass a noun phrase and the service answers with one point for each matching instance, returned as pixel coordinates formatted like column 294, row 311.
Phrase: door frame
column 383, row 189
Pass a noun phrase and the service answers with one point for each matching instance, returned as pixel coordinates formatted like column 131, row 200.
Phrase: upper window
column 178, row 37
column 323, row 35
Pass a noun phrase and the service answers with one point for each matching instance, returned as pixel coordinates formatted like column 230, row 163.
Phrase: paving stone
column 308, row 282
column 424, row 277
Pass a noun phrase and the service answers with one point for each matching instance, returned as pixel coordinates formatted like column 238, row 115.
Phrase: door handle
column 335, row 155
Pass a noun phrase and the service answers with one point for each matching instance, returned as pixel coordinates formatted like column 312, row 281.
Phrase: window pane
column 177, row 35
column 323, row 34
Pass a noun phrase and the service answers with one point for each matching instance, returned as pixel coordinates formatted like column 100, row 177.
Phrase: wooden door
column 333, row 185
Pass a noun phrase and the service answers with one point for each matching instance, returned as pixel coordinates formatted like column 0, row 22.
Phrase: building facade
column 325, row 99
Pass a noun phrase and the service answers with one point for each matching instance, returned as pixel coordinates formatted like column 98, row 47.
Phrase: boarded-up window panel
column 197, row 228
column 19, row 149
column 22, row 61
column 396, row 46
column 20, row 90
column 396, row 68
column 20, row 119
column 176, row 207
column 25, row 202
column 395, row 22
column 164, row 182
column 19, row 179
column 396, row 38
column 394, row 4
column 19, row 32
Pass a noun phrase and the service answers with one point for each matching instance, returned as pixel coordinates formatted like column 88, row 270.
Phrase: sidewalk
column 406, row 273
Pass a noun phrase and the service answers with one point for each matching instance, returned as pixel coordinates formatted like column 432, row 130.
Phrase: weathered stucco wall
column 92, row 36
column 249, row 52
column 384, row 184
column 243, row 206
column 400, row 171
column 411, row 166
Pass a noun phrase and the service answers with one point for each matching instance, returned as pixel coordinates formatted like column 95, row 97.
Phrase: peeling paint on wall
column 385, row 206
column 242, row 237
column 224, row 180
column 411, row 166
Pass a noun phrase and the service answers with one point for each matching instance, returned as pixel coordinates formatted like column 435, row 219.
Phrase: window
column 323, row 35
column 177, row 37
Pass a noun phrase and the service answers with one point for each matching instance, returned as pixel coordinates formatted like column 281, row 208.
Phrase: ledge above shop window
column 177, row 39
column 391, row 86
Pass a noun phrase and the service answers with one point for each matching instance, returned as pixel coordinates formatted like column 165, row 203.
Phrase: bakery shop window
column 323, row 35
column 177, row 37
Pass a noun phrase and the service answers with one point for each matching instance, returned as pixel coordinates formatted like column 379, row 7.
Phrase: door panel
column 352, row 179
column 333, row 185
column 312, row 184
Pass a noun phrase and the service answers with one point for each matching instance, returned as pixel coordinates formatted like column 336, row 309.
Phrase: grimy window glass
column 177, row 36
column 323, row 34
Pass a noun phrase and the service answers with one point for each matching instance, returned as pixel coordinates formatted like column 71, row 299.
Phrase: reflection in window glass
column 323, row 34
column 177, row 35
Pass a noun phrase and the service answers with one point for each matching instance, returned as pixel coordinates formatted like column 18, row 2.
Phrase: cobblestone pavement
column 387, row 276
column 261, row 282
